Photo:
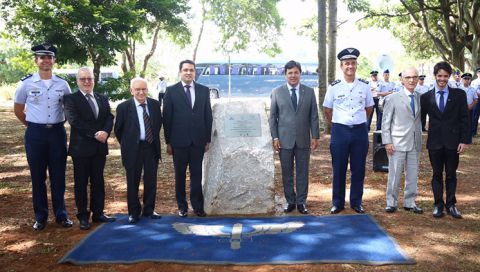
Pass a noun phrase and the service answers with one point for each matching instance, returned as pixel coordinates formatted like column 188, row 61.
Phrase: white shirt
column 44, row 104
column 192, row 91
column 140, row 117
column 348, row 102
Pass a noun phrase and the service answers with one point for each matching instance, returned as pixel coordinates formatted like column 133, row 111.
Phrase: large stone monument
column 239, row 167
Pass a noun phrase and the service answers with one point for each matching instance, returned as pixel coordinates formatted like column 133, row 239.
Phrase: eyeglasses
column 138, row 90
column 83, row 79
column 411, row 77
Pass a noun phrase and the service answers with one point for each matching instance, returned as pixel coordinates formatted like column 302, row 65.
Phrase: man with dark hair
column 348, row 102
column 188, row 128
column 374, row 86
column 45, row 137
column 448, row 131
column 295, row 131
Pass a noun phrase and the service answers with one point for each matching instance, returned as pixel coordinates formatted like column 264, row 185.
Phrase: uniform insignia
column 350, row 50
column 363, row 80
column 26, row 76
column 335, row 82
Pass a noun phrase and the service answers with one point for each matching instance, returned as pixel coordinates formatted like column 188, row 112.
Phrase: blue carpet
column 215, row 240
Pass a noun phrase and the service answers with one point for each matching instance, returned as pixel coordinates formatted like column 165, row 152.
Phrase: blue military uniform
column 45, row 139
column 349, row 136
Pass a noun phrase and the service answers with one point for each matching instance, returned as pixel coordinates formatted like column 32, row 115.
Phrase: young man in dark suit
column 448, row 130
column 137, row 128
column 91, row 123
column 188, row 127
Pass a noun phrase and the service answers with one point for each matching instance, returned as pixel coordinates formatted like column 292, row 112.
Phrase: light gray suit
column 403, row 129
column 294, row 130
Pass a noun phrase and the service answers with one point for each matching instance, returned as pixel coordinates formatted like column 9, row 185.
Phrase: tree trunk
column 96, row 69
column 151, row 52
column 332, row 39
column 322, row 57
column 204, row 11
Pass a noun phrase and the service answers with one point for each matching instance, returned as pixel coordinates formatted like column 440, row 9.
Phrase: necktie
column 294, row 99
column 441, row 104
column 189, row 96
column 148, row 125
column 92, row 105
column 412, row 103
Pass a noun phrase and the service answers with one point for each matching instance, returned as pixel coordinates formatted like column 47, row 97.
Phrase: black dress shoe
column 437, row 212
column 390, row 209
column 414, row 209
column 84, row 225
column 182, row 213
column 39, row 225
column 358, row 209
column 154, row 215
column 302, row 209
column 336, row 209
column 289, row 208
column 103, row 219
column 132, row 219
column 200, row 213
column 454, row 212
column 66, row 223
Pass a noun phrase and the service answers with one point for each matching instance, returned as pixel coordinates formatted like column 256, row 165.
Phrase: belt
column 30, row 124
column 351, row 126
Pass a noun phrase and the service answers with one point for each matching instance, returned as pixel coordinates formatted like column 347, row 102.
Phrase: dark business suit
column 138, row 154
column 187, row 130
column 88, row 154
column 294, row 130
column 445, row 132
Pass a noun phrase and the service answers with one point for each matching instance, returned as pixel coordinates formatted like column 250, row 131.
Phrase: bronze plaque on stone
column 243, row 125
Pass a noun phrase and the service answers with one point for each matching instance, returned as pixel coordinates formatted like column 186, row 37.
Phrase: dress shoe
column 66, row 223
column 358, row 209
column 39, row 225
column 289, row 208
column 103, row 219
column 437, row 212
column 390, row 209
column 200, row 213
column 302, row 209
column 182, row 213
column 454, row 212
column 414, row 209
column 336, row 209
column 132, row 219
column 84, row 225
column 154, row 215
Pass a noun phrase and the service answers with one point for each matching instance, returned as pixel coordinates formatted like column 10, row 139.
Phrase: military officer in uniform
column 476, row 109
column 385, row 88
column 348, row 102
column 38, row 105
column 374, row 83
column 472, row 98
column 456, row 82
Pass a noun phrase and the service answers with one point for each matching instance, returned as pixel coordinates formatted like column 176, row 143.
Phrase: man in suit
column 137, row 128
column 91, row 123
column 448, row 131
column 402, row 137
column 188, row 129
column 295, row 131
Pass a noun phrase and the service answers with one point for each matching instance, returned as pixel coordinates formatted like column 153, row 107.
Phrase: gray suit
column 404, row 130
column 294, row 131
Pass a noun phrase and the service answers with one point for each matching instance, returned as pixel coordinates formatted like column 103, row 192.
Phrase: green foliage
column 115, row 88
column 15, row 62
column 364, row 67
column 243, row 22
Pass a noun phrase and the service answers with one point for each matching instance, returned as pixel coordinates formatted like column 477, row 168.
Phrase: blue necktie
column 441, row 104
column 412, row 103
column 189, row 96
column 294, row 99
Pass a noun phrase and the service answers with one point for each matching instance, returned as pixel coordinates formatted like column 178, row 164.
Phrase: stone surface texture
column 238, row 173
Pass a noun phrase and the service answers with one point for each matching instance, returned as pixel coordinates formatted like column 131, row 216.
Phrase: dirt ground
column 444, row 244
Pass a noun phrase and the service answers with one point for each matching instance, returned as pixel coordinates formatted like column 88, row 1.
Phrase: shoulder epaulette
column 363, row 80
column 26, row 76
column 60, row 77
column 335, row 82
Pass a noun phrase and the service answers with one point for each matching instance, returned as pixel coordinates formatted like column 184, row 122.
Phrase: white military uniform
column 43, row 99
column 348, row 101
column 471, row 93
column 455, row 84
column 421, row 89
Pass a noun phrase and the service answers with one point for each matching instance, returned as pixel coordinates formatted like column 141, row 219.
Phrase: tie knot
column 143, row 105
column 293, row 89
column 411, row 96
column 441, row 92
column 89, row 95
column 187, row 87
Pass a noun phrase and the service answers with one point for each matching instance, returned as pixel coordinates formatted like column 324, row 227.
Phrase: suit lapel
column 405, row 101
column 184, row 95
column 99, row 103
column 301, row 92
column 132, row 113
column 84, row 103
column 449, row 100
column 288, row 97
column 152, row 111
